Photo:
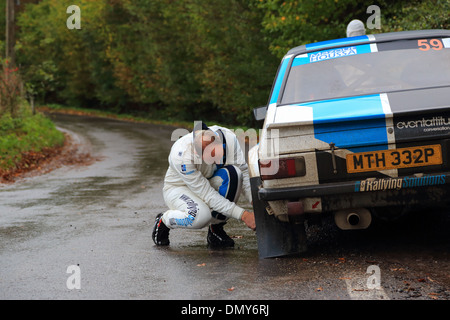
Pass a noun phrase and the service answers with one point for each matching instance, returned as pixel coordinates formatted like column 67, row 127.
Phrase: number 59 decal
column 425, row 44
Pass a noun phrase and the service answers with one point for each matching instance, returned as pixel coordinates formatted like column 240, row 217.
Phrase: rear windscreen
column 388, row 67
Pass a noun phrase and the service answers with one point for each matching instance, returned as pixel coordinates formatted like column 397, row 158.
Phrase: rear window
column 343, row 72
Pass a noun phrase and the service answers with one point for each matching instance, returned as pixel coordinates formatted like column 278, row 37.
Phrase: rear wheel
column 275, row 238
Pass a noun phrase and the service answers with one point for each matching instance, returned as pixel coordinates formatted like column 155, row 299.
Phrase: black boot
column 160, row 234
column 218, row 238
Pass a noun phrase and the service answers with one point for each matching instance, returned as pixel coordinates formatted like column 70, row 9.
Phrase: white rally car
column 355, row 127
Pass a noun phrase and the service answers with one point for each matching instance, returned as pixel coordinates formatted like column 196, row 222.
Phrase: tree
column 185, row 59
column 10, row 34
column 66, row 65
column 2, row 27
column 238, row 69
column 290, row 23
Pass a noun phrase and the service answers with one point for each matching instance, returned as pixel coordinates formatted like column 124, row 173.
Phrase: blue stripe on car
column 280, row 77
column 336, row 42
column 334, row 122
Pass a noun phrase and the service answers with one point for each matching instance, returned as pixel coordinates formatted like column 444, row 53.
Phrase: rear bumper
column 427, row 189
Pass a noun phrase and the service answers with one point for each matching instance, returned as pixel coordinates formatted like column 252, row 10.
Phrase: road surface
column 84, row 232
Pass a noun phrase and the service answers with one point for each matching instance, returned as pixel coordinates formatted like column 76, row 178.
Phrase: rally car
column 355, row 127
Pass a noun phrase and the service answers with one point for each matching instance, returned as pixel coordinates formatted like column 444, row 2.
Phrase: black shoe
column 160, row 234
column 218, row 238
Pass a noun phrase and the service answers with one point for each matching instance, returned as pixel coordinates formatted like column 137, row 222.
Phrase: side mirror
column 260, row 113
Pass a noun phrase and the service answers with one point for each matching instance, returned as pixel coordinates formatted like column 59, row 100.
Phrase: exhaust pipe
column 352, row 219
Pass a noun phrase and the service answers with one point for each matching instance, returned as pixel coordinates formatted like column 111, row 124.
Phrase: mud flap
column 275, row 238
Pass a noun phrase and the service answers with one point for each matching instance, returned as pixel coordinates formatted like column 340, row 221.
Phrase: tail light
column 282, row 168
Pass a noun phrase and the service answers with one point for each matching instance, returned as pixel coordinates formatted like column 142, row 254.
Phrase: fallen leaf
column 433, row 295
column 397, row 269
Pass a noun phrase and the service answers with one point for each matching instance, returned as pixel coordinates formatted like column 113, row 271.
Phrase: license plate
column 394, row 159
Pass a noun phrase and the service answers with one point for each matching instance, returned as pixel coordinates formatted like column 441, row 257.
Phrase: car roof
column 371, row 38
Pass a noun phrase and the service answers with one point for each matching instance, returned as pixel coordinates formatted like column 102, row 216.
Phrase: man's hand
column 249, row 219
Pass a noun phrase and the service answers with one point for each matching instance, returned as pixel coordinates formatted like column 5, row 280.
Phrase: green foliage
column 68, row 65
column 296, row 22
column 159, row 68
column 178, row 59
column 417, row 15
column 185, row 59
column 25, row 132
column 288, row 24
column 237, row 68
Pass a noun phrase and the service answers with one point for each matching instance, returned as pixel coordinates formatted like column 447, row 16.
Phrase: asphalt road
column 99, row 219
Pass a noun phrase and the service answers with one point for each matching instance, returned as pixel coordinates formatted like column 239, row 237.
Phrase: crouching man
column 206, row 175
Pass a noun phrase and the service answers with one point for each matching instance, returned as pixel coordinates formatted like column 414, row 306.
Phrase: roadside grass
column 24, row 133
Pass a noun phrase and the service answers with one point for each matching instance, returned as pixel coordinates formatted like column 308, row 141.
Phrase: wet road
column 99, row 219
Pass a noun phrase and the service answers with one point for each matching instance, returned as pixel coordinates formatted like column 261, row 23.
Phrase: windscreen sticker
column 332, row 54
column 427, row 44
column 430, row 44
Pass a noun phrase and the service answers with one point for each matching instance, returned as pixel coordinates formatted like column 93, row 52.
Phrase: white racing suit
column 198, row 193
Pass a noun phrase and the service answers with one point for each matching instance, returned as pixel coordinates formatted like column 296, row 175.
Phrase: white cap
column 355, row 28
